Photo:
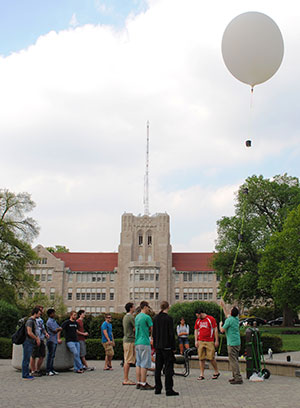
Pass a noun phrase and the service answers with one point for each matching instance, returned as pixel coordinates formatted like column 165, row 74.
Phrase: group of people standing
column 140, row 332
column 34, row 347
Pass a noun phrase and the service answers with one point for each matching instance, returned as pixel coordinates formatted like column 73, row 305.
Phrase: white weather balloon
column 252, row 47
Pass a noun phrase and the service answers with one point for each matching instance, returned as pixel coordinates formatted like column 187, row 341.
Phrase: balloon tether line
column 240, row 235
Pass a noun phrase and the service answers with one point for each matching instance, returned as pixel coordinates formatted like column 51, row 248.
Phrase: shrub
column 5, row 348
column 95, row 349
column 188, row 310
column 9, row 317
column 94, row 328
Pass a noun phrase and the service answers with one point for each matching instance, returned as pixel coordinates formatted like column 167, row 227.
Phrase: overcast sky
column 78, row 82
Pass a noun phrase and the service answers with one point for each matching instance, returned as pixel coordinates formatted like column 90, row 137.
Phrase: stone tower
column 145, row 260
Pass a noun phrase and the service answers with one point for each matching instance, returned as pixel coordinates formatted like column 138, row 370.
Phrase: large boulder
column 63, row 358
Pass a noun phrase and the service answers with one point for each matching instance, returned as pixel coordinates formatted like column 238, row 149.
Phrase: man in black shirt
column 164, row 344
column 70, row 328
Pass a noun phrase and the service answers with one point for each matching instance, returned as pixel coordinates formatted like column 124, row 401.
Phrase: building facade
column 143, row 269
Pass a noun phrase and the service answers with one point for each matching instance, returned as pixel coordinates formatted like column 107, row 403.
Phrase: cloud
column 74, row 108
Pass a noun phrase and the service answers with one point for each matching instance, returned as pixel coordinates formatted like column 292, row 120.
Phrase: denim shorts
column 143, row 356
column 183, row 340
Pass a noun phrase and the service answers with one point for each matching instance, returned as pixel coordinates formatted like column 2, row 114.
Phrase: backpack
column 20, row 335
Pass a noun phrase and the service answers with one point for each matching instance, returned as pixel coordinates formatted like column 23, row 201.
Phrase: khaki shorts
column 129, row 353
column 206, row 350
column 109, row 350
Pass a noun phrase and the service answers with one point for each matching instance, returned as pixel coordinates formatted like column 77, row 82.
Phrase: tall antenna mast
column 146, row 178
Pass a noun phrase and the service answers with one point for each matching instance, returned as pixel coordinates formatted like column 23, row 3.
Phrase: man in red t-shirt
column 206, row 340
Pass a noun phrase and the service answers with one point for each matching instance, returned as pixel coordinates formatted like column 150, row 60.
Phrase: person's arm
column 226, row 312
column 82, row 333
column 222, row 330
column 34, row 337
column 216, row 336
column 106, row 336
column 196, row 337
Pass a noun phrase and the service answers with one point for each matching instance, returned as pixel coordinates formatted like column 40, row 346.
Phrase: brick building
column 143, row 269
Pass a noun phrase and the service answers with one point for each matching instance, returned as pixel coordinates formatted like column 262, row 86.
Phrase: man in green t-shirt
column 143, row 329
column 232, row 329
column 128, row 341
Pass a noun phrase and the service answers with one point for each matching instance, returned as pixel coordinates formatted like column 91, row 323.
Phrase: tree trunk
column 287, row 316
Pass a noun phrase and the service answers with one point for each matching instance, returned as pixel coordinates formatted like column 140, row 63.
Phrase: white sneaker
column 55, row 372
column 50, row 373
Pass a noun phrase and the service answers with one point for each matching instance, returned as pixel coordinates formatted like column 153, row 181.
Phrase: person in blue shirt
column 107, row 341
column 39, row 351
column 54, row 331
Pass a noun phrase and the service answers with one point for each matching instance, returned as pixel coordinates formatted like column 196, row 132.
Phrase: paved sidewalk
column 104, row 389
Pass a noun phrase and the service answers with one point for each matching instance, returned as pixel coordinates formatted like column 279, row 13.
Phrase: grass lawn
column 290, row 342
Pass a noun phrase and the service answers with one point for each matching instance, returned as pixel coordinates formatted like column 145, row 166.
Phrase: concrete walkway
column 104, row 389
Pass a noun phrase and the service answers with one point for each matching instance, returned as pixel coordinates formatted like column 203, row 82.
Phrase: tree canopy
column 58, row 248
column 16, row 233
column 262, row 206
column 279, row 268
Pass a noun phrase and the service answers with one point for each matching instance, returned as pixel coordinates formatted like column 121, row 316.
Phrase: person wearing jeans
column 54, row 338
column 30, row 340
column 71, row 329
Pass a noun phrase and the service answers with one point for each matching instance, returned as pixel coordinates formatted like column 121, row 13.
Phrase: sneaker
column 37, row 374
column 138, row 386
column 157, row 392
column 30, row 377
column 55, row 372
column 146, row 387
column 50, row 373
column 89, row 368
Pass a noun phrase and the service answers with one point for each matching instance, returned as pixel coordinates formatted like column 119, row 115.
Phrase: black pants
column 164, row 359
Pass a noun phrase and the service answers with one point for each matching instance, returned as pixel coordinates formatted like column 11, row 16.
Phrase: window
column 112, row 277
column 93, row 296
column 185, row 277
column 111, row 294
column 111, row 309
column 94, row 278
column 44, row 261
column 37, row 277
column 98, row 296
column 177, row 293
column 140, row 239
column 78, row 294
column 103, row 295
column 70, row 277
column 78, row 277
column 52, row 293
column 157, row 276
column 88, row 296
column 151, row 295
column 69, row 294
column 82, row 296
column 200, row 296
column 149, row 240
column 205, row 296
column 43, row 277
column 103, row 278
column 177, row 277
column 210, row 296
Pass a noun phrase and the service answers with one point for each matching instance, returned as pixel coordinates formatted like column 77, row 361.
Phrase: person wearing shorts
column 39, row 351
column 107, row 341
column 82, row 335
column 183, row 330
column 206, row 340
column 128, row 342
column 143, row 327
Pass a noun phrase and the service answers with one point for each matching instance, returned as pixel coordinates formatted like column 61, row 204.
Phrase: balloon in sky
column 252, row 47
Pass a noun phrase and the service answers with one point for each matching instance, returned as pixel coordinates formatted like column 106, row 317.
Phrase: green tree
column 58, row 248
column 279, row 268
column 16, row 234
column 261, row 208
column 29, row 302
